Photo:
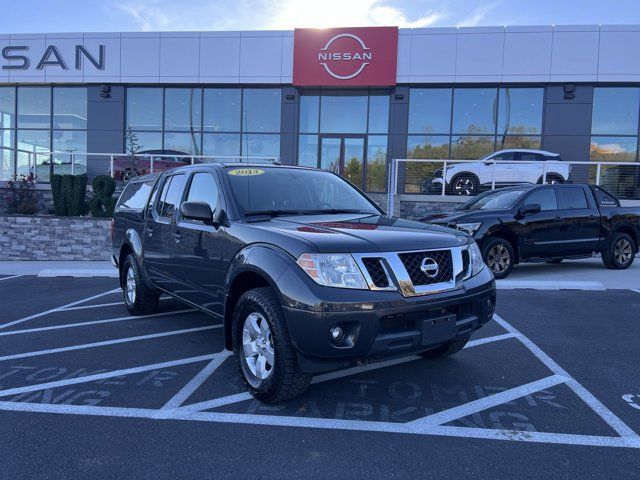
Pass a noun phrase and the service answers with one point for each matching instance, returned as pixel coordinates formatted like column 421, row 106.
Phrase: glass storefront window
column 615, row 111
column 222, row 109
column 34, row 107
column 474, row 110
column 379, row 114
column 261, row 110
column 430, row 110
column 614, row 149
column 309, row 110
column 308, row 150
column 343, row 114
column 471, row 148
column 353, row 152
column 182, row 109
column 376, row 163
column 144, row 108
column 518, row 141
column 185, row 143
column 7, row 107
column 222, row 144
column 261, row 145
column 65, row 145
column 6, row 156
column 70, row 108
column 149, row 141
column 520, row 111
column 37, row 142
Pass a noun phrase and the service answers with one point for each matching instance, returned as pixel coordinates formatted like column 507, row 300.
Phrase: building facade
column 346, row 99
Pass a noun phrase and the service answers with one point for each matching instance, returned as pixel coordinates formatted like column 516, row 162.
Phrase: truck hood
column 364, row 233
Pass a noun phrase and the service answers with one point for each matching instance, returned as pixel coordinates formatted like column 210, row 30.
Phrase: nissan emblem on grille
column 429, row 267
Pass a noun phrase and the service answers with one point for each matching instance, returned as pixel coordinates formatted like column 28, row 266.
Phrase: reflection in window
column 433, row 147
column 144, row 108
column 6, row 156
column 36, row 142
column 474, row 110
column 308, row 151
column 520, row 110
column 149, row 141
column 70, row 108
column 7, row 107
column 518, row 141
column 68, row 146
column 379, row 114
column 185, row 143
column 221, row 144
column 376, row 163
column 182, row 109
column 343, row 114
column 352, row 169
column 34, row 107
column 309, row 109
column 430, row 110
column 613, row 149
column 471, row 148
column 222, row 109
column 261, row 145
column 615, row 111
column 261, row 110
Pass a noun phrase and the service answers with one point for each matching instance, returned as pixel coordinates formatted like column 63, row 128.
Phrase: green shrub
column 68, row 194
column 103, row 203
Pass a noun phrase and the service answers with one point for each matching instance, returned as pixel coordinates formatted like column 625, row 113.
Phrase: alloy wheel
column 622, row 251
column 499, row 259
column 257, row 346
column 130, row 286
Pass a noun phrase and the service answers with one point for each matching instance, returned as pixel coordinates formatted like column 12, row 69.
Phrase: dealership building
column 350, row 99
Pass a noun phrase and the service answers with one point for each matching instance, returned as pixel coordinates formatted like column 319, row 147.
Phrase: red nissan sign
column 364, row 56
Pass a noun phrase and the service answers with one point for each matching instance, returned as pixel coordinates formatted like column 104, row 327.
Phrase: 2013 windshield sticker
column 246, row 172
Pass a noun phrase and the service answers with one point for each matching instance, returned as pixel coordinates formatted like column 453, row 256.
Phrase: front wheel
column 465, row 184
column 498, row 254
column 265, row 357
column 620, row 253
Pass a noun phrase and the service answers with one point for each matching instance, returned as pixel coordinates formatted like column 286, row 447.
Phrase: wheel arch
column 509, row 237
column 629, row 231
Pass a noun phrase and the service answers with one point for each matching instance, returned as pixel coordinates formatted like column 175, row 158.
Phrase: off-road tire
column 445, row 350
column 609, row 255
column 287, row 380
column 145, row 300
column 495, row 243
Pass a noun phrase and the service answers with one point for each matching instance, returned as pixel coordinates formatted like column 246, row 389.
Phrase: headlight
column 475, row 259
column 469, row 228
column 333, row 270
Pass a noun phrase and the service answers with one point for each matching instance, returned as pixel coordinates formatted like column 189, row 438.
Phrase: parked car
column 127, row 167
column 470, row 178
column 303, row 270
column 623, row 180
column 547, row 223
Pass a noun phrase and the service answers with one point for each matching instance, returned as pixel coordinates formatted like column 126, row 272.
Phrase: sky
column 35, row 16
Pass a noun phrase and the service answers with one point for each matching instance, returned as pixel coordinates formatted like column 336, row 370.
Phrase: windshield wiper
column 334, row 211
column 273, row 213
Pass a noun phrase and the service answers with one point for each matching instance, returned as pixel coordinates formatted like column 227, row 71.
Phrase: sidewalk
column 59, row 269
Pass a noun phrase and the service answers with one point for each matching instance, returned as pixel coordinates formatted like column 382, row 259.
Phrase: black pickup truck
column 304, row 271
column 547, row 223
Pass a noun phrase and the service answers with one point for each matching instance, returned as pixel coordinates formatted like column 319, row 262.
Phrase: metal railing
column 447, row 177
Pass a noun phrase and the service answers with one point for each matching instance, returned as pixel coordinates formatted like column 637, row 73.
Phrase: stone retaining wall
column 37, row 237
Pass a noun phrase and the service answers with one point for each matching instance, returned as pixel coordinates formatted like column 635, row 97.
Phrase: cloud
column 477, row 14
column 385, row 15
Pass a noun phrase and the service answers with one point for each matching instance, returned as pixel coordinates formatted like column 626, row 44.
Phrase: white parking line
column 93, row 322
column 103, row 375
column 47, row 312
column 105, row 343
column 484, row 403
column 12, row 276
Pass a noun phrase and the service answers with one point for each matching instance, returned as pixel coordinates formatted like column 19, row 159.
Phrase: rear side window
column 572, row 198
column 604, row 199
column 530, row 157
column 135, row 196
column 545, row 197
column 171, row 195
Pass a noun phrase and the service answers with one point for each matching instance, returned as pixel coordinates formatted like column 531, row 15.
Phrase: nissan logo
column 429, row 267
column 357, row 58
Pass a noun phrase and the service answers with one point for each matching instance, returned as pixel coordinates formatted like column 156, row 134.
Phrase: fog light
column 491, row 306
column 337, row 334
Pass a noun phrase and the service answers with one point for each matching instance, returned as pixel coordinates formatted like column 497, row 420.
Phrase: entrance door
column 344, row 155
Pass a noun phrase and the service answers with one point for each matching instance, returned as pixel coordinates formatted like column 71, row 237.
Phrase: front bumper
column 379, row 325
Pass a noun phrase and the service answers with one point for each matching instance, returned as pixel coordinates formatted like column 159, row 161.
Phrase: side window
column 135, row 196
column 546, row 197
column 572, row 198
column 204, row 188
column 171, row 195
column 503, row 156
column 530, row 157
column 162, row 195
column 604, row 199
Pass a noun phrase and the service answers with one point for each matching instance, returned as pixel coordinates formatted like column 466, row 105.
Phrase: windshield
column 281, row 191
column 495, row 200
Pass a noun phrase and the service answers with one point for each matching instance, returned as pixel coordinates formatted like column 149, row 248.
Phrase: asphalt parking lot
column 550, row 388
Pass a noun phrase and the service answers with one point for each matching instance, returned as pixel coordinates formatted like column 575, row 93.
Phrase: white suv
column 472, row 177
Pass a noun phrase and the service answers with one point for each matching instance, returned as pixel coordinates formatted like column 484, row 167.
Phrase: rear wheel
column 445, row 350
column 620, row 253
column 265, row 357
column 138, row 298
column 465, row 184
column 499, row 256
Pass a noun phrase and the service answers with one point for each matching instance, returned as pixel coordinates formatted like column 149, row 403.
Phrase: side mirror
column 197, row 211
column 531, row 208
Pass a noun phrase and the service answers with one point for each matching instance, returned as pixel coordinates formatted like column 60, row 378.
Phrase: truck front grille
column 376, row 271
column 413, row 262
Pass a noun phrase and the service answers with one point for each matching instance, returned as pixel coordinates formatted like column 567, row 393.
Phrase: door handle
column 177, row 236
column 149, row 231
